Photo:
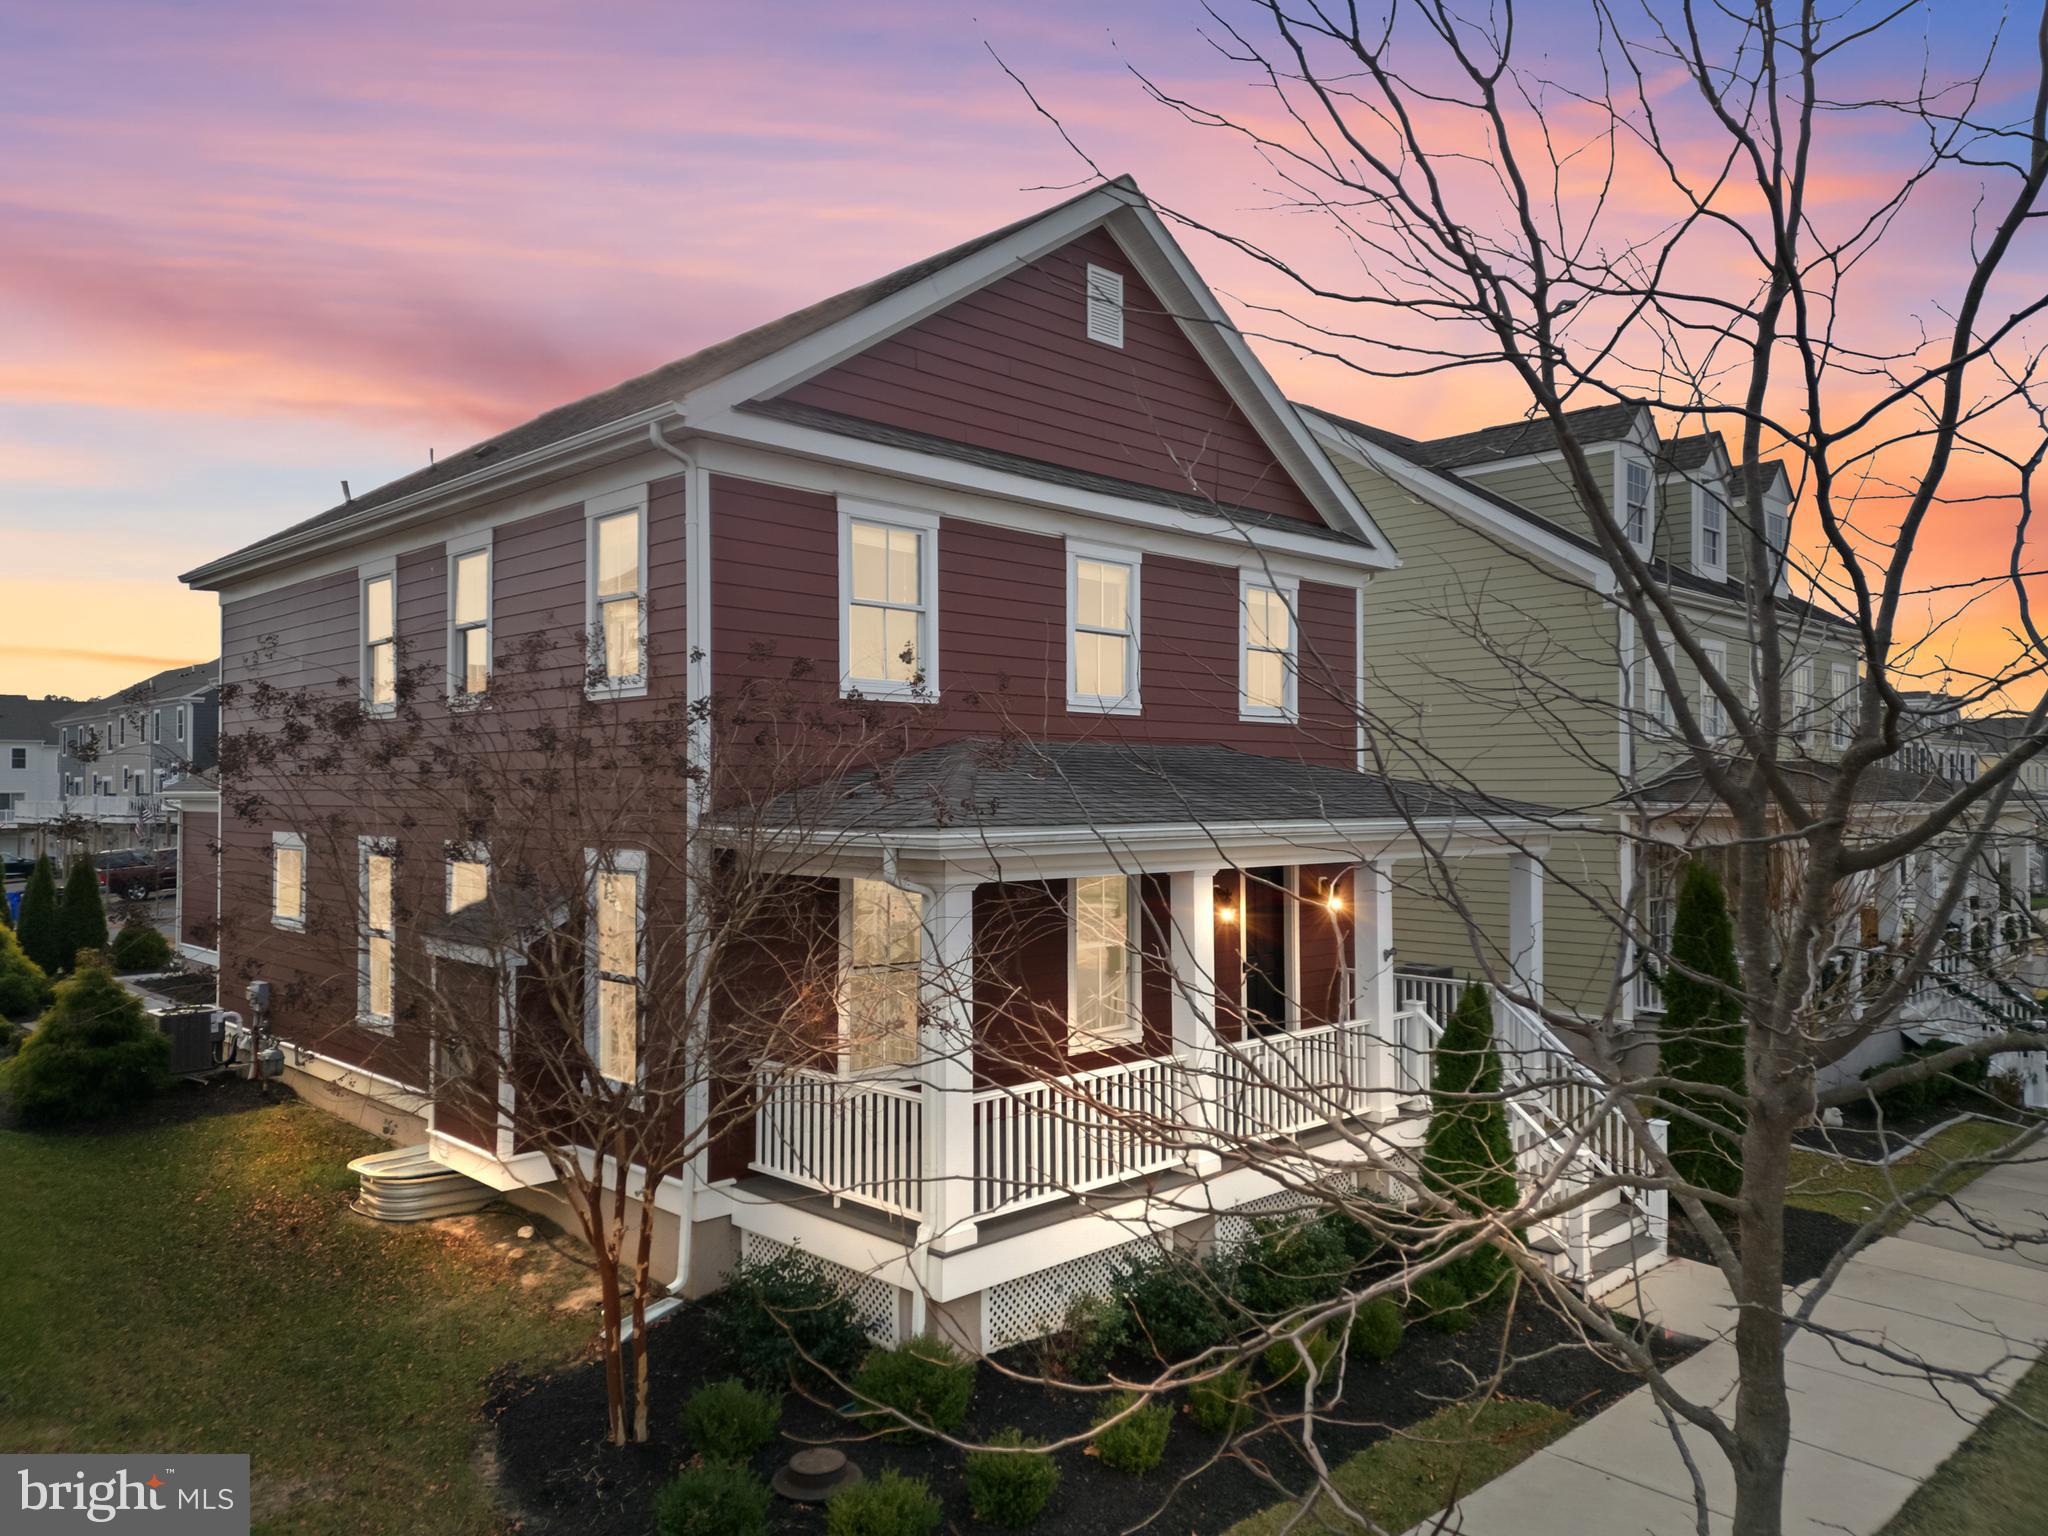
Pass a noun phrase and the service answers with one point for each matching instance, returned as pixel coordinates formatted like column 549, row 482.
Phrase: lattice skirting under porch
column 876, row 1303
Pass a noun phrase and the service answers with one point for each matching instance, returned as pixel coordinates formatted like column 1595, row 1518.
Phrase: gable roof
column 660, row 392
column 1683, row 455
column 25, row 719
column 1518, row 439
column 171, row 683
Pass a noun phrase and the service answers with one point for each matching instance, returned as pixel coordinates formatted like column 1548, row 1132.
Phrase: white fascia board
column 497, row 480
column 1459, row 500
column 1019, row 492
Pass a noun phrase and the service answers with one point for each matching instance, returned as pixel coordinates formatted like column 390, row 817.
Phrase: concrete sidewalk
column 1867, row 1430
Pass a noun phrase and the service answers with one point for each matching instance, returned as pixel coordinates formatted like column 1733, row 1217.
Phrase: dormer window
column 1636, row 504
column 1711, row 551
column 1105, row 306
column 1778, row 531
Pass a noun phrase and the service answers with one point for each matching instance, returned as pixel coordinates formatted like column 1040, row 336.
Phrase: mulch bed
column 186, row 1099
column 1859, row 1136
column 567, row 1482
column 192, row 988
column 1812, row 1238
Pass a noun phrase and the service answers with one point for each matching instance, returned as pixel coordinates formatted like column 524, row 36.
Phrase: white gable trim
column 1461, row 502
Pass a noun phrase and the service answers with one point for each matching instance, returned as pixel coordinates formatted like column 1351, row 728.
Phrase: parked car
column 138, row 872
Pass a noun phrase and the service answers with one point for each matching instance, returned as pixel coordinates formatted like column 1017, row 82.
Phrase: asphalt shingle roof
column 25, row 719
column 172, row 683
column 1014, row 785
column 1514, row 439
column 1878, row 785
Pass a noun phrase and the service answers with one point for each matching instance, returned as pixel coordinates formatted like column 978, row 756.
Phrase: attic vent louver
column 1105, row 306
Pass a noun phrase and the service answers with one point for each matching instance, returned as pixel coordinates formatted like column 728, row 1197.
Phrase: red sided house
column 1040, row 468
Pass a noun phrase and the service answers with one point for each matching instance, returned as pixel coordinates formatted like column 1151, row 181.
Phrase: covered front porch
column 1033, row 1015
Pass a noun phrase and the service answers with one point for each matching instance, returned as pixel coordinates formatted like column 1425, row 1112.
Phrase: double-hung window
column 1798, row 721
column 618, row 878
column 1102, row 630
column 18, row 757
column 469, row 877
column 884, row 949
column 288, row 881
column 1105, row 991
column 469, row 622
column 1778, row 534
column 1636, row 503
column 380, row 640
column 1841, row 703
column 617, row 597
column 1266, row 650
column 1656, row 700
column 181, row 722
column 1713, row 718
column 1712, row 554
column 376, row 982
column 888, row 628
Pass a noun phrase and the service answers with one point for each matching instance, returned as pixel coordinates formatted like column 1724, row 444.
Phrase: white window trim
column 296, row 842
column 478, row 543
column 1095, row 1045
column 842, row 1055
column 465, row 853
column 1131, row 702
column 1711, row 712
column 367, row 572
column 1622, row 460
column 632, row 498
column 388, row 847
column 1704, row 497
column 926, row 526
column 621, row 861
column 1289, row 588
column 1103, row 303
column 1841, row 685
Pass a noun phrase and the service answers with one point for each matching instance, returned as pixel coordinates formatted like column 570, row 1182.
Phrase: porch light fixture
column 1335, row 900
column 1226, row 915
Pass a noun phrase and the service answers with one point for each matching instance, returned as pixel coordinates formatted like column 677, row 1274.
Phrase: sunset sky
column 253, row 249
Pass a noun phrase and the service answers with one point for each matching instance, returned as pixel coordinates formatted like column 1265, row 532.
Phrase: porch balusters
column 946, row 1066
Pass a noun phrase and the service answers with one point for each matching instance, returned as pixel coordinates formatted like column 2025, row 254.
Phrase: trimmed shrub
column 84, row 921
column 1081, row 1348
column 1010, row 1487
column 41, row 925
column 1177, row 1306
column 1281, row 1360
column 1360, row 1243
column 24, row 989
column 1700, row 1040
column 729, row 1420
column 1377, row 1329
column 1289, row 1265
column 892, row 1505
column 1467, row 1155
column 927, row 1381
column 1222, row 1403
column 95, row 1054
column 1908, row 1100
column 784, row 1319
column 139, row 947
column 1439, row 1301
column 1135, row 1444
column 715, row 1499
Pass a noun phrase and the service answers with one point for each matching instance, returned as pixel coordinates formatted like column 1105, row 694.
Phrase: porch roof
column 1881, row 784
column 983, row 785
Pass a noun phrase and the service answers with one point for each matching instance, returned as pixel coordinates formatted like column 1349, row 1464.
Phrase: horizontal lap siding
column 199, row 878
column 1010, row 367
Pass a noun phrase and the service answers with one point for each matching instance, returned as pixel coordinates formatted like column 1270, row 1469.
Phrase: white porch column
column 1372, row 963
column 1191, row 953
column 946, row 1065
column 1525, row 922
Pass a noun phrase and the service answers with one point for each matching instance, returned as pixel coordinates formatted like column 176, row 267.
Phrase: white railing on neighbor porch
column 859, row 1139
column 1046, row 1138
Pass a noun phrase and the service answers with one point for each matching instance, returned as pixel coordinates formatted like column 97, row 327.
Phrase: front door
column 1265, row 950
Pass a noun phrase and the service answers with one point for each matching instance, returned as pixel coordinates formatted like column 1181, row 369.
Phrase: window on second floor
column 1635, row 504
column 1842, row 703
column 1711, row 556
column 1102, row 631
column 469, row 623
column 181, row 722
column 1798, row 722
column 1267, row 650
column 18, row 757
column 618, row 596
column 884, row 948
column 1656, row 698
column 1713, row 718
column 469, row 878
column 888, row 568
column 380, row 642
column 1105, row 991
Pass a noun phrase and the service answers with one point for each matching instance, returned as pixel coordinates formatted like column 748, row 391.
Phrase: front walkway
column 1866, row 1431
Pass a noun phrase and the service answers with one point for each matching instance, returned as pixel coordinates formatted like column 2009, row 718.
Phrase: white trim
column 1289, row 591
column 386, row 848
column 279, row 840
column 368, row 572
column 479, row 541
column 623, row 861
column 1092, row 1043
column 1130, row 702
column 630, row 500
column 903, row 519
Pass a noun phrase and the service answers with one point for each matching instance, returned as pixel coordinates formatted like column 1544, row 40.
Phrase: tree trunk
column 1763, row 1412
column 643, row 1263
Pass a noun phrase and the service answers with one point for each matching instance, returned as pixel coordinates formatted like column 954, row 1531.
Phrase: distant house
column 30, row 776
column 118, row 754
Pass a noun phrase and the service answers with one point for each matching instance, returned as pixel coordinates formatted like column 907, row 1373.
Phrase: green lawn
column 1855, row 1191
column 1410, row 1476
column 1997, row 1483
column 203, row 1287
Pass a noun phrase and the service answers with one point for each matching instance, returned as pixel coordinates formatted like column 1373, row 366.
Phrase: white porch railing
column 854, row 1138
column 1278, row 1084
column 1051, row 1137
